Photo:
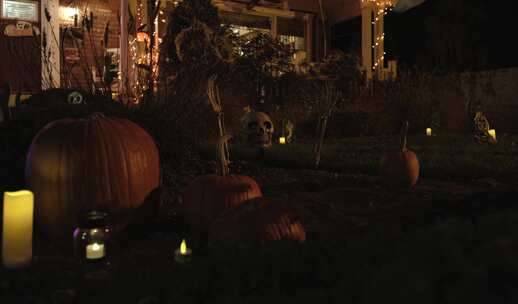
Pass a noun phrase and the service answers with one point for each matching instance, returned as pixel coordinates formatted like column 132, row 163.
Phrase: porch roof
column 338, row 10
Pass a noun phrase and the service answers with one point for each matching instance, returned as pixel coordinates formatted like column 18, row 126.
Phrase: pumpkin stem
column 404, row 132
column 223, row 157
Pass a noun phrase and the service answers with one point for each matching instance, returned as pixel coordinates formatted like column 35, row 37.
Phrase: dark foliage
column 194, row 37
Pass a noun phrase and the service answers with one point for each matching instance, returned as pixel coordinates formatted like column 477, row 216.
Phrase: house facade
column 44, row 47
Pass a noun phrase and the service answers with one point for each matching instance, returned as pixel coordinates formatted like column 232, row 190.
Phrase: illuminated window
column 291, row 31
column 243, row 24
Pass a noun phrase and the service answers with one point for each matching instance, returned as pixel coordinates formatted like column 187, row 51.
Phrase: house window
column 243, row 24
column 291, row 31
column 20, row 10
column 294, row 31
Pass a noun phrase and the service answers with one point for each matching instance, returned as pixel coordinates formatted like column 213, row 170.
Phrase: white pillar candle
column 94, row 251
column 17, row 229
column 428, row 131
column 282, row 140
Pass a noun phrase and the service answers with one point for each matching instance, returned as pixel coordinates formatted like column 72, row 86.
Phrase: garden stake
column 215, row 102
column 330, row 96
column 404, row 133
column 223, row 157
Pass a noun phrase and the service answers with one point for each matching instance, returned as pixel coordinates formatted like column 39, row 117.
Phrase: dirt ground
column 340, row 206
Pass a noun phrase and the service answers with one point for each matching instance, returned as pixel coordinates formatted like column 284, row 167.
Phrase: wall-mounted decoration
column 20, row 10
column 71, row 54
column 21, row 29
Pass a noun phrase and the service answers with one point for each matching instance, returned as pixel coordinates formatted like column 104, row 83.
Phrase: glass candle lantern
column 92, row 237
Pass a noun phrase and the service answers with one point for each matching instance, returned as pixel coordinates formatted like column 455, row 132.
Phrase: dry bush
column 412, row 96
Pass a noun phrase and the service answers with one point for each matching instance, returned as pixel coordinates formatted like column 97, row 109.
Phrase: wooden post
column 379, row 48
column 123, row 55
column 367, row 39
column 309, row 37
column 50, row 51
column 274, row 28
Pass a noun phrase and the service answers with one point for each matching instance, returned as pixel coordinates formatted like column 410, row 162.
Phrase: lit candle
column 492, row 133
column 183, row 254
column 282, row 140
column 428, row 131
column 17, row 229
column 94, row 251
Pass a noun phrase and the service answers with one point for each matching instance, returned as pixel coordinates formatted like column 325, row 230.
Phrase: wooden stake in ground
column 215, row 102
column 330, row 96
column 223, row 157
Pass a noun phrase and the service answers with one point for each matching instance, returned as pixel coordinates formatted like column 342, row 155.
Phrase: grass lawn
column 453, row 156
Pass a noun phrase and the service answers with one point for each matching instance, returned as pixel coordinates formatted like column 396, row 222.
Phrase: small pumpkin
column 207, row 196
column 259, row 221
column 91, row 163
column 400, row 168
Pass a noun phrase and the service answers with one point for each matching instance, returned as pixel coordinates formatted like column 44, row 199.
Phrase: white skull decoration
column 259, row 128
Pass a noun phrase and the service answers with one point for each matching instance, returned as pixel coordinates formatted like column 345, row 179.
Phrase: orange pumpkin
column 400, row 168
column 260, row 221
column 94, row 163
column 210, row 195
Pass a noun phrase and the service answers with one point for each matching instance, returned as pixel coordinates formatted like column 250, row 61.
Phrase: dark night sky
column 445, row 35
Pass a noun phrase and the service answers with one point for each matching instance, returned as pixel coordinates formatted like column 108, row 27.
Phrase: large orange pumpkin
column 94, row 163
column 400, row 168
column 258, row 221
column 208, row 196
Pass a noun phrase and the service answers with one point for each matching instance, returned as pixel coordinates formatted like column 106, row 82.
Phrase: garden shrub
column 194, row 48
column 337, row 74
column 411, row 96
column 197, row 45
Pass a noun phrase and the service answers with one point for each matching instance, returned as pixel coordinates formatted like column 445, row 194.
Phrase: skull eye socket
column 268, row 125
column 252, row 125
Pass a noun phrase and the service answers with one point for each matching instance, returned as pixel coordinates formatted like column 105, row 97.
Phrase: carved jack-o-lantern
column 259, row 128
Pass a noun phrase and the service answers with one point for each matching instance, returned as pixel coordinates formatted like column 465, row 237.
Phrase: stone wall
column 497, row 93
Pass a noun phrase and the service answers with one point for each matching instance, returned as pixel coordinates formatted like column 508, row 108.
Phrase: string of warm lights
column 139, row 86
column 381, row 8
column 141, row 55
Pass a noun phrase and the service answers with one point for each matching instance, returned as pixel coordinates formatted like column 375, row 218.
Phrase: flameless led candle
column 492, row 133
column 282, row 140
column 428, row 131
column 183, row 254
column 94, row 251
column 17, row 229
